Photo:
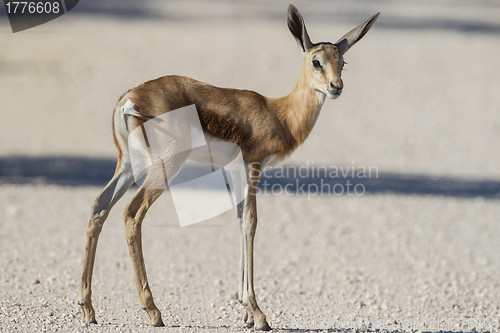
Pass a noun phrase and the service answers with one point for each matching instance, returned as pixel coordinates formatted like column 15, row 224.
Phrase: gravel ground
column 420, row 102
column 391, row 261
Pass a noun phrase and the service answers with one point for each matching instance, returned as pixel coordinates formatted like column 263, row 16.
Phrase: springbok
column 262, row 127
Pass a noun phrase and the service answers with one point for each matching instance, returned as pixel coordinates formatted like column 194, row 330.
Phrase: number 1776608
column 31, row 7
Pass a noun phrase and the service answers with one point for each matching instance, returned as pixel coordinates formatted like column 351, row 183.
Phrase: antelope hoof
column 261, row 322
column 89, row 320
column 155, row 318
column 88, row 314
column 249, row 322
column 264, row 327
column 159, row 323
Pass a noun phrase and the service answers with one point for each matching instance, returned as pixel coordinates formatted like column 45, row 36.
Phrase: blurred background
column 420, row 91
column 420, row 103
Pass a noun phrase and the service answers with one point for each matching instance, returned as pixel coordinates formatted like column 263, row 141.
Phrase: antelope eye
column 316, row 64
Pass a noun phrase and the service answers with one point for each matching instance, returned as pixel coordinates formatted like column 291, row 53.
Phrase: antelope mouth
column 333, row 93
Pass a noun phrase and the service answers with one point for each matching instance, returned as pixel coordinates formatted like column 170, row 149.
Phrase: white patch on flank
column 121, row 126
column 128, row 109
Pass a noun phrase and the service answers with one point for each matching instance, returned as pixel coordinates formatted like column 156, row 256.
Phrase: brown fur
column 243, row 117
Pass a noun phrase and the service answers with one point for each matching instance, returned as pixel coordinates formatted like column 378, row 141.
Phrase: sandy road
column 420, row 102
column 384, row 259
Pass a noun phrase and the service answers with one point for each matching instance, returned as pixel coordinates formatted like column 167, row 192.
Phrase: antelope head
column 323, row 62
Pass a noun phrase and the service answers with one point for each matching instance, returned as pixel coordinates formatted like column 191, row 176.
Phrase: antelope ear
column 353, row 36
column 298, row 29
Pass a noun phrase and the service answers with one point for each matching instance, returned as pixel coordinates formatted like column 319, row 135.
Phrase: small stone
column 12, row 210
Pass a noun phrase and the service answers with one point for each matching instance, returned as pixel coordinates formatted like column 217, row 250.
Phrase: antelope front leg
column 248, row 226
column 249, row 322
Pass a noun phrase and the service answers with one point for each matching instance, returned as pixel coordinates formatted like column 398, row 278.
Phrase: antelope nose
column 337, row 86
